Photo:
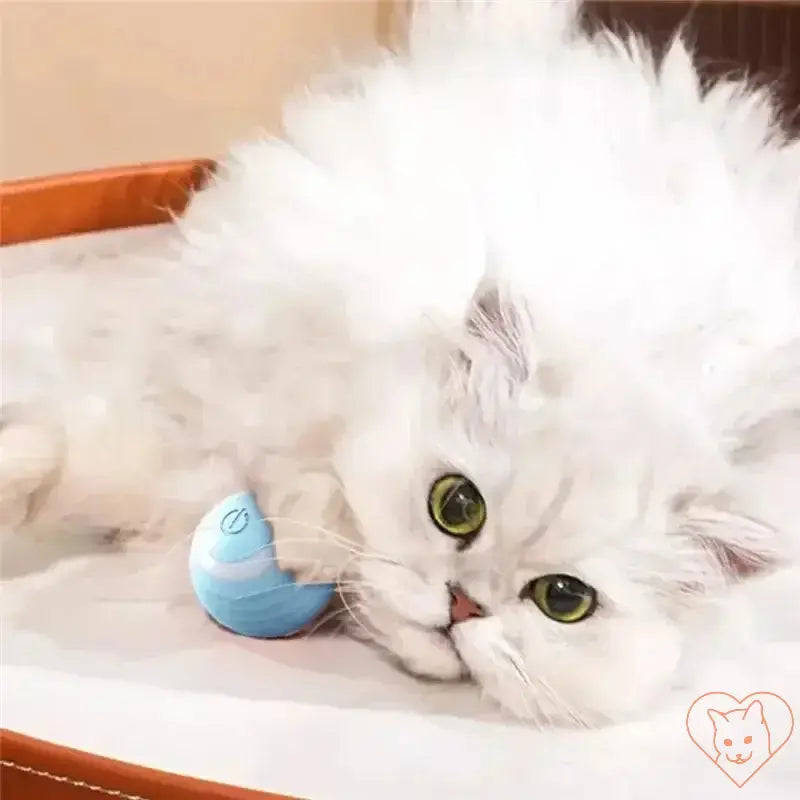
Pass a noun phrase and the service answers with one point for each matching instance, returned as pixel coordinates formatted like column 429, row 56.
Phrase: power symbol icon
column 234, row 521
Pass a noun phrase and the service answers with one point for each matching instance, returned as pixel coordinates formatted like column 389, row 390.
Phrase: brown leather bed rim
column 31, row 769
column 80, row 202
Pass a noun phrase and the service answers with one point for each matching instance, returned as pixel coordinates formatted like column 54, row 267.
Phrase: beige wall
column 95, row 84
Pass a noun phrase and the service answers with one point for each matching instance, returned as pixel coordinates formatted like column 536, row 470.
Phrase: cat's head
column 549, row 484
column 524, row 454
column 740, row 733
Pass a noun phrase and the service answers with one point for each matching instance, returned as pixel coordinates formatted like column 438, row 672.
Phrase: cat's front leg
column 315, row 536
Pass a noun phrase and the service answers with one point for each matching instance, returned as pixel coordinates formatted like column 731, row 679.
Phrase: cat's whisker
column 536, row 685
column 560, row 702
column 354, row 584
column 329, row 534
column 185, row 539
column 350, row 607
column 370, row 634
column 552, row 700
column 324, row 620
column 511, row 656
column 334, row 537
column 341, row 585
column 276, row 557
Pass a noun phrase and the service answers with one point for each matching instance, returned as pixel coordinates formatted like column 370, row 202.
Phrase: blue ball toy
column 236, row 577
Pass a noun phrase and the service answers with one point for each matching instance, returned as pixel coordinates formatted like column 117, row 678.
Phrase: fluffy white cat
column 505, row 331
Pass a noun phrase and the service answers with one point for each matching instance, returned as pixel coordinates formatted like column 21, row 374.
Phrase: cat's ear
column 503, row 322
column 754, row 712
column 716, row 717
column 724, row 545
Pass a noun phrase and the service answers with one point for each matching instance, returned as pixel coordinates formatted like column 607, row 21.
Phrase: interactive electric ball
column 236, row 577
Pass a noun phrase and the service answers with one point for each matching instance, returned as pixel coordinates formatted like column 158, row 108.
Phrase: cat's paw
column 427, row 654
column 313, row 531
column 422, row 652
column 310, row 556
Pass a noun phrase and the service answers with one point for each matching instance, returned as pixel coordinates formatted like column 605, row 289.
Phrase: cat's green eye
column 563, row 598
column 456, row 507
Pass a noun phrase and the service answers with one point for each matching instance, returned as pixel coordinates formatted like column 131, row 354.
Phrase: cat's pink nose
column 462, row 606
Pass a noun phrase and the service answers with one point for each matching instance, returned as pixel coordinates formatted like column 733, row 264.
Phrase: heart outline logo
column 715, row 718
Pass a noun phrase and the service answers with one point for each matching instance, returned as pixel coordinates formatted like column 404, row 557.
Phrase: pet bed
column 108, row 692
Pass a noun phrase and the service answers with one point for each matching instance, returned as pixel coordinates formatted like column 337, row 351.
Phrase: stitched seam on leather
column 64, row 779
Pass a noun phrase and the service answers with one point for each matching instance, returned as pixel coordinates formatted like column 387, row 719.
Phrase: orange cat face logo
column 740, row 736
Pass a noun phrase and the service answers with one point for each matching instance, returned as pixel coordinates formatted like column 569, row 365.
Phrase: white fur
column 321, row 334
